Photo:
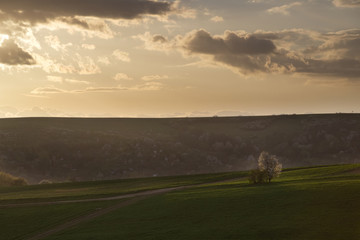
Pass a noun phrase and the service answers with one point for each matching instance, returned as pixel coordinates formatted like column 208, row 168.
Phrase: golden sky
column 147, row 58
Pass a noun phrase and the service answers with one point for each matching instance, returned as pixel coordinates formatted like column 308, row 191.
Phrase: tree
column 269, row 164
column 257, row 176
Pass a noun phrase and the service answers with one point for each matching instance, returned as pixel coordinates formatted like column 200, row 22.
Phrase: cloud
column 122, row 76
column 12, row 54
column 50, row 90
column 52, row 66
column 75, row 81
column 283, row 9
column 83, row 65
column 34, row 112
column 57, row 79
column 87, row 65
column 121, row 55
column 54, row 42
column 155, row 42
column 47, row 90
column 333, row 54
column 8, row 111
column 154, row 77
column 104, row 60
column 88, row 46
column 88, row 26
column 217, row 19
column 159, row 38
column 40, row 11
column 346, row 3
column 200, row 41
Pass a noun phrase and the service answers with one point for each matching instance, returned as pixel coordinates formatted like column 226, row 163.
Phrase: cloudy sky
column 166, row 58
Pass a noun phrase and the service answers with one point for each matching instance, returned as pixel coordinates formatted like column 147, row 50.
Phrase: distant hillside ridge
column 77, row 149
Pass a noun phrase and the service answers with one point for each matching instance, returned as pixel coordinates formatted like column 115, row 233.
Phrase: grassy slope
column 313, row 203
column 84, row 190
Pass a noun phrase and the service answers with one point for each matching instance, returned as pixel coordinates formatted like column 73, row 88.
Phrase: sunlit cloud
column 217, row 19
column 121, row 55
column 58, row 79
column 87, row 65
column 88, row 46
column 82, row 65
column 154, row 77
column 283, row 9
column 75, row 81
column 3, row 37
column 47, row 90
column 55, row 79
column 52, row 66
column 54, row 42
column 155, row 42
column 122, row 76
column 91, row 27
column 51, row 90
column 346, row 3
column 103, row 60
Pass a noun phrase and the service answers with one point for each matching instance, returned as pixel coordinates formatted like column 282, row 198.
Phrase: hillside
column 77, row 149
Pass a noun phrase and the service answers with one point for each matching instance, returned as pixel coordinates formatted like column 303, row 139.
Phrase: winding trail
column 132, row 198
column 88, row 217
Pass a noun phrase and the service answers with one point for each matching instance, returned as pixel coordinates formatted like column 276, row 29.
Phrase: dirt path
column 88, row 217
column 123, row 196
column 134, row 197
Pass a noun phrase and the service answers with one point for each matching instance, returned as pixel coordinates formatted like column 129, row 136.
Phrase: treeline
column 95, row 149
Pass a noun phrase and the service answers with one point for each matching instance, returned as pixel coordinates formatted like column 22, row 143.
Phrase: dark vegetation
column 66, row 149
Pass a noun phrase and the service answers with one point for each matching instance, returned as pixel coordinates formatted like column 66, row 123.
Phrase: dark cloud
column 159, row 38
column 349, row 68
column 346, row 44
column 12, row 54
column 231, row 44
column 336, row 54
column 35, row 11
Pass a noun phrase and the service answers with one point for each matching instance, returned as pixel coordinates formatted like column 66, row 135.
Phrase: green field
column 85, row 190
column 305, row 203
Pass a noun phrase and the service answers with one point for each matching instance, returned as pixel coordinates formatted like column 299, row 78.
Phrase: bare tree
column 270, row 165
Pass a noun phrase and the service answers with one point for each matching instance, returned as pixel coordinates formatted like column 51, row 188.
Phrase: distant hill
column 61, row 149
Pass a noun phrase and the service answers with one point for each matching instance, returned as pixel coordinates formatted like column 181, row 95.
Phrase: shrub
column 7, row 179
column 257, row 176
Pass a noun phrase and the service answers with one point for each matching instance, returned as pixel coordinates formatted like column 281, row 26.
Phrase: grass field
column 305, row 203
column 85, row 190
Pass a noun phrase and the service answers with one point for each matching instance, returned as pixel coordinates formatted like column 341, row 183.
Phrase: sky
column 188, row 58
